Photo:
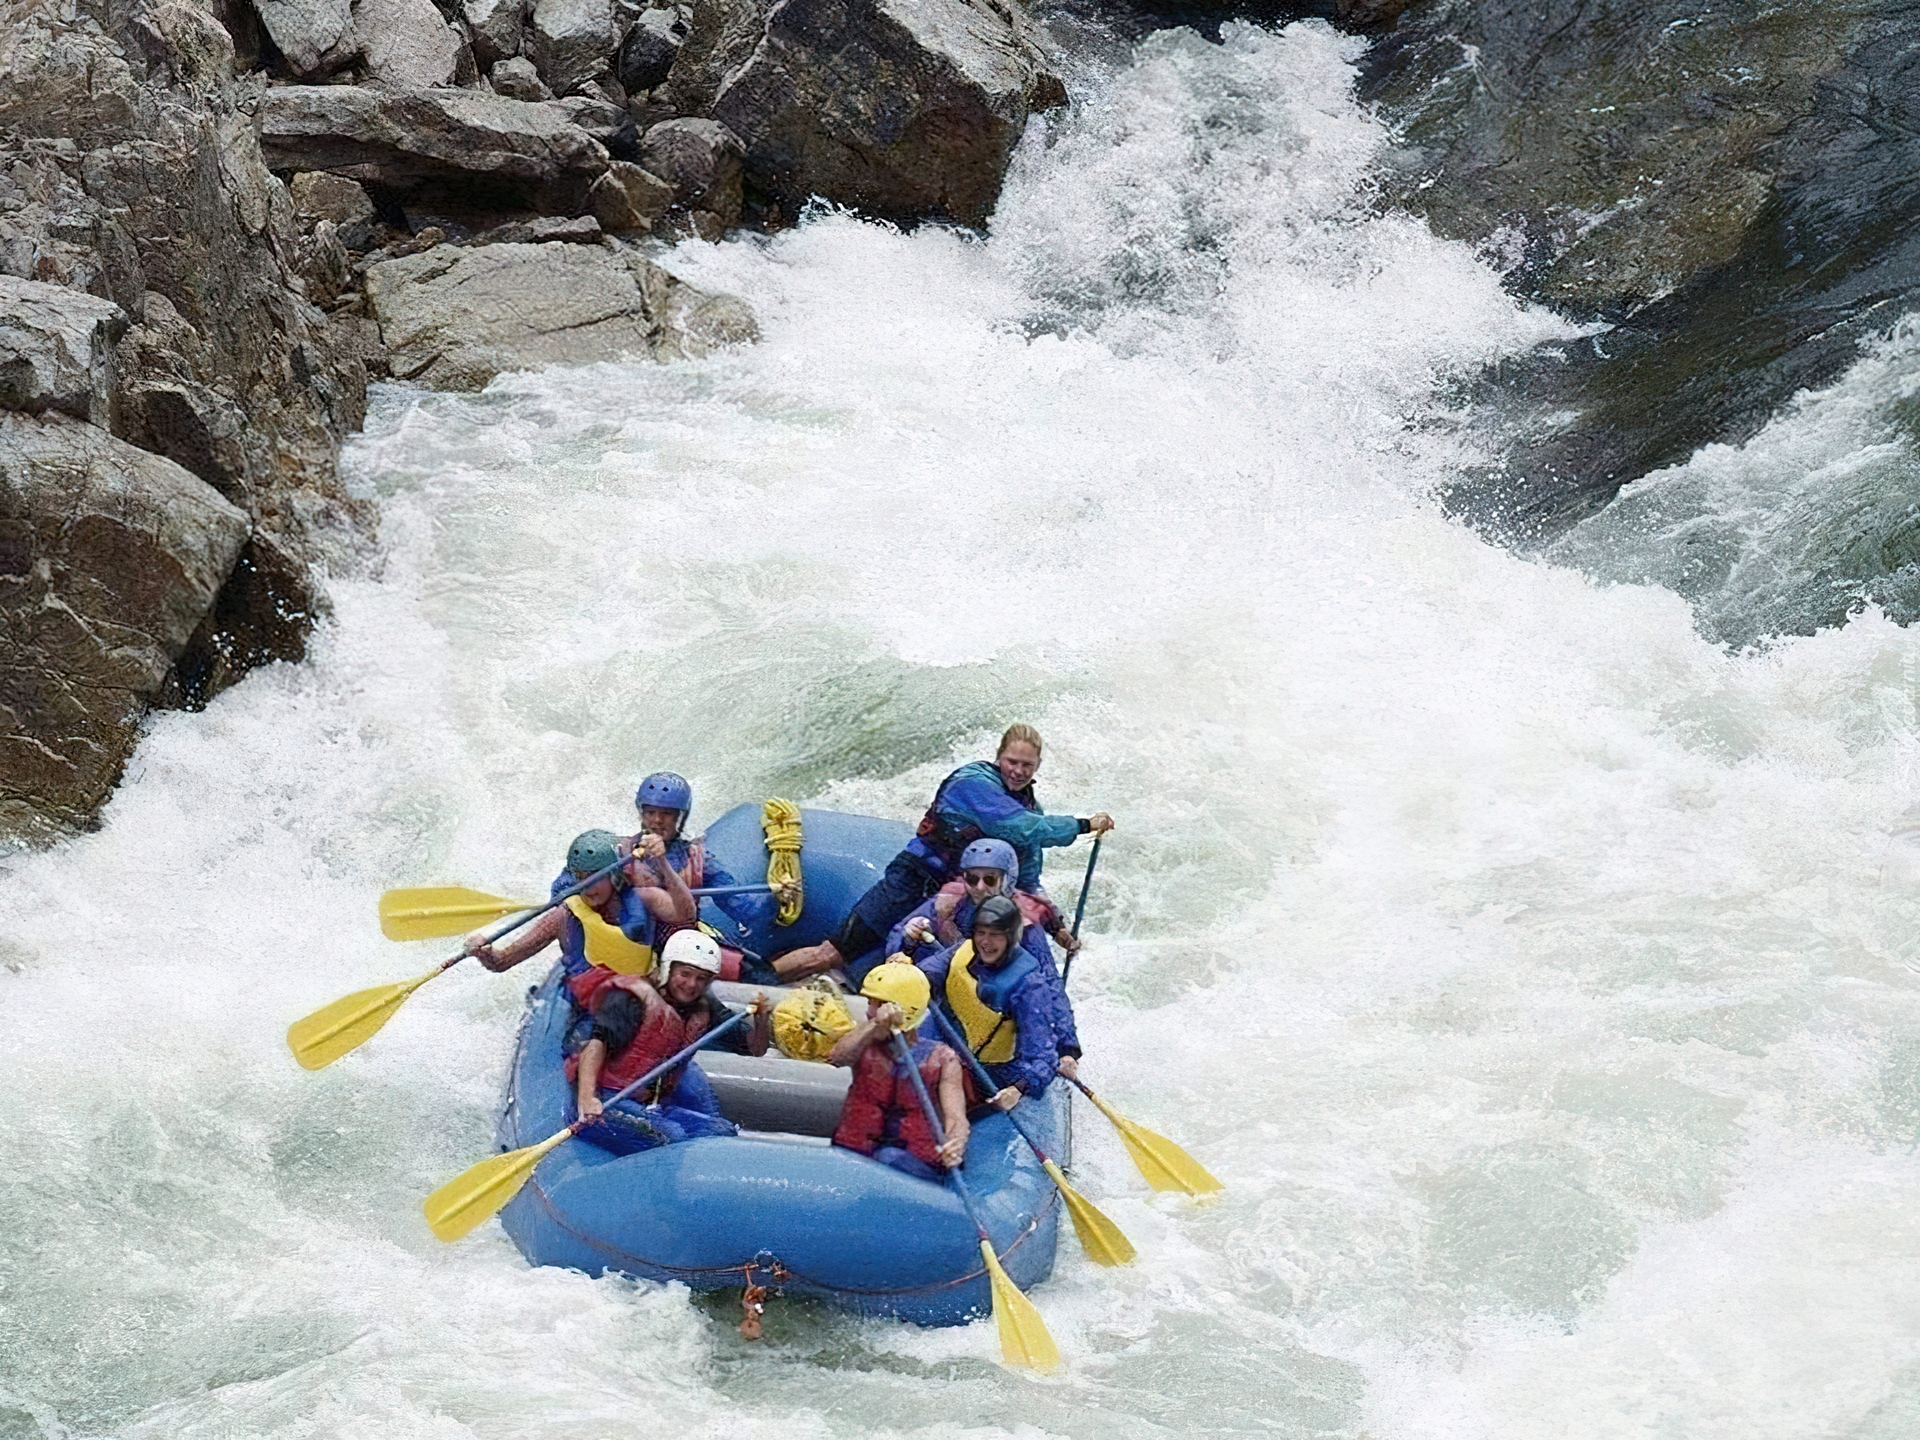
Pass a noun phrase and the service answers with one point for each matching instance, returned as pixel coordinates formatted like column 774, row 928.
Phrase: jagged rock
column 197, row 428
column 494, row 27
column 606, row 122
column 399, row 140
column 1732, row 189
column 518, row 80
column 701, row 159
column 721, row 36
column 902, row 108
column 455, row 318
column 319, row 196
column 316, row 37
column 183, row 46
column 537, row 230
column 629, row 198
column 56, row 349
column 109, row 559
column 408, row 46
column 651, row 47
column 263, row 613
column 571, row 41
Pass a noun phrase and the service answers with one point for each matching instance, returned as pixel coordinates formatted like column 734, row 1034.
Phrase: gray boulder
column 494, row 28
column 516, row 79
column 317, row 37
column 629, row 198
column 110, row 558
column 454, row 318
column 409, row 46
column 902, row 108
column 571, row 41
column 56, row 349
column 652, row 45
column 701, row 160
column 319, row 196
column 538, row 229
column 401, row 139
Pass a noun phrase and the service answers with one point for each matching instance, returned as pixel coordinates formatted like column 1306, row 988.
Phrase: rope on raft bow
column 780, row 819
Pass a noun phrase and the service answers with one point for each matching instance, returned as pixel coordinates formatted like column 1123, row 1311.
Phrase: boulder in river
column 398, row 140
column 109, row 559
column 454, row 317
column 1730, row 189
column 904, row 109
column 701, row 160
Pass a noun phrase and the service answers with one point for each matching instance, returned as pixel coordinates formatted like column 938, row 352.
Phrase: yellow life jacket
column 976, row 1020
column 607, row 944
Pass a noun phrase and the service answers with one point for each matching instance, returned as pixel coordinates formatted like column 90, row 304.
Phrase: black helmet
column 997, row 912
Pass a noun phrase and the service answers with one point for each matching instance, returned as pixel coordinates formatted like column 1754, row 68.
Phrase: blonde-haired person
column 984, row 799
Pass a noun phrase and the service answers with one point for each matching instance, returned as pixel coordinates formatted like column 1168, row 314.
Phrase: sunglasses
column 983, row 877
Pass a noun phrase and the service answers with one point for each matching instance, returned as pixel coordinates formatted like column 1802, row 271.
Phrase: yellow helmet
column 807, row 1022
column 903, row 984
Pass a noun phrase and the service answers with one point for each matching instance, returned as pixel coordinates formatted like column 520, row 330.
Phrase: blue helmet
column 993, row 855
column 666, row 791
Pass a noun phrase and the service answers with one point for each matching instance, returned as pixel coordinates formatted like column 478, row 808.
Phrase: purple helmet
column 666, row 791
column 990, row 854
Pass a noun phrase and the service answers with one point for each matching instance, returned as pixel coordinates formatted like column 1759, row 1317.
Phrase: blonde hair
column 1019, row 732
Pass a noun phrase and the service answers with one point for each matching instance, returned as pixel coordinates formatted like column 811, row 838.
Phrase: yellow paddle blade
column 476, row 1193
column 348, row 1023
column 433, row 911
column 1099, row 1236
column 1164, row 1164
column 1023, row 1334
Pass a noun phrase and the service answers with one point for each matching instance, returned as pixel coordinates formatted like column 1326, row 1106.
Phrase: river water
column 1536, row 971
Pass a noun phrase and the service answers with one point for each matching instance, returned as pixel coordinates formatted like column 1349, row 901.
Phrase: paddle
column 478, row 1192
column 432, row 911
column 1099, row 1236
column 1080, row 910
column 1023, row 1334
column 348, row 1023
column 1164, row 1164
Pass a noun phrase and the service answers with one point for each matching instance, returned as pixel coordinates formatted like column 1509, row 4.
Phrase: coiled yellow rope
column 781, row 821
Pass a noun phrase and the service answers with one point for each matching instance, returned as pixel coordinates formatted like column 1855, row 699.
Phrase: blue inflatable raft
column 777, row 1205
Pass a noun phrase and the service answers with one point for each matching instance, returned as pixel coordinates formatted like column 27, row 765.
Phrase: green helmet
column 591, row 852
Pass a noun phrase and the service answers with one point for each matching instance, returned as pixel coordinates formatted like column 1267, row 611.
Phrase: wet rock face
column 166, row 382
column 906, row 109
column 109, row 559
column 56, row 349
column 454, row 317
column 1730, row 188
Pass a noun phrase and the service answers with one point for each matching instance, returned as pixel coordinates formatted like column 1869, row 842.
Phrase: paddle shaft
column 663, row 1067
column 513, row 923
column 1080, row 910
column 954, row 1039
column 905, row 1057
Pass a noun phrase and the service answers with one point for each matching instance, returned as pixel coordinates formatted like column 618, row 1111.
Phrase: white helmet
column 690, row 947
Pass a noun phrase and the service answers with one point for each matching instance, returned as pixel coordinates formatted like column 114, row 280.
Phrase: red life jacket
column 879, row 1095
column 663, row 1034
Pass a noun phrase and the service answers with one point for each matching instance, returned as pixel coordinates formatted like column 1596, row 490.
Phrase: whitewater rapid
column 1537, row 973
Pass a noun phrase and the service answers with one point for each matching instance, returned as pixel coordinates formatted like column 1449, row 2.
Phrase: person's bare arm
column 526, row 942
column 848, row 1049
column 953, row 1106
column 586, row 1091
column 760, row 1033
column 680, row 906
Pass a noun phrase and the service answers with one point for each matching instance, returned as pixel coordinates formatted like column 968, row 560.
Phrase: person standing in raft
column 608, row 929
column 639, row 1022
column 992, row 987
column 881, row 1115
column 989, row 868
column 978, row 800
